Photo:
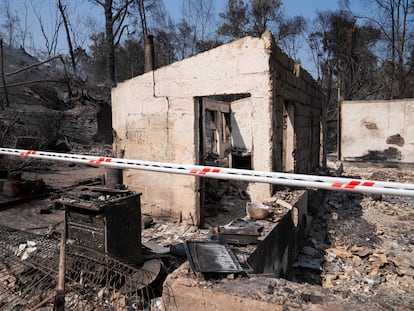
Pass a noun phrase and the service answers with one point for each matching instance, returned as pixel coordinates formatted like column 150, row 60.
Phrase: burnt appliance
column 106, row 220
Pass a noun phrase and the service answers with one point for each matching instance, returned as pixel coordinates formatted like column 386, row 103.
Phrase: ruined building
column 377, row 131
column 242, row 105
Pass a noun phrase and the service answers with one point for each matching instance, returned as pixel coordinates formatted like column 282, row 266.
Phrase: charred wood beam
column 59, row 303
column 33, row 66
column 65, row 72
column 35, row 81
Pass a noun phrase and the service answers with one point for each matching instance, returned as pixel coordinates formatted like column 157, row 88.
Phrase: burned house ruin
column 245, row 104
column 251, row 108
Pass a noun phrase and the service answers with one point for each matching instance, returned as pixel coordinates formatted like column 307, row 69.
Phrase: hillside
column 47, row 109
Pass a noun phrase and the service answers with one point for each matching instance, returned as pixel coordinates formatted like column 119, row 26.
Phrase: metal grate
column 93, row 281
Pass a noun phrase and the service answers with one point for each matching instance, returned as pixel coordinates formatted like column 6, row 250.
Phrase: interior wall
column 294, row 85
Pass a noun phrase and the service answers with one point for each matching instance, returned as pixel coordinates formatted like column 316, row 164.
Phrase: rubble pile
column 361, row 246
column 358, row 255
column 367, row 254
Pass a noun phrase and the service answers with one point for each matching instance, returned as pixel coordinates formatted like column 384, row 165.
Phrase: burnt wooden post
column 59, row 303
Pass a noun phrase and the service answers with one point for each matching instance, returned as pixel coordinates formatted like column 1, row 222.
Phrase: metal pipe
column 286, row 179
column 149, row 56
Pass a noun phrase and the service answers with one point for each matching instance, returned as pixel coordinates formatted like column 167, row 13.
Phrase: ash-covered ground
column 358, row 254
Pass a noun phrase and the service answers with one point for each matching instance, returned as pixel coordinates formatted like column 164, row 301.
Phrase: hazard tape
column 286, row 179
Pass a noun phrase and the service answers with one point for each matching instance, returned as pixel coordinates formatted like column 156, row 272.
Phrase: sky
column 306, row 8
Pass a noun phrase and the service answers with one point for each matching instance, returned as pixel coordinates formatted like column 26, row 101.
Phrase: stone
column 342, row 253
column 327, row 282
column 361, row 251
column 383, row 258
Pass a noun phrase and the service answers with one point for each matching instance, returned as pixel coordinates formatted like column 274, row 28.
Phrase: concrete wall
column 295, row 93
column 156, row 118
column 378, row 131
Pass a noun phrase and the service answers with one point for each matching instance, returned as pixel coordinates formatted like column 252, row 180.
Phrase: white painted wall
column 367, row 125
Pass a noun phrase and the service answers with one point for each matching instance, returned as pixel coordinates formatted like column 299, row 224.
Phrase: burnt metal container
column 106, row 220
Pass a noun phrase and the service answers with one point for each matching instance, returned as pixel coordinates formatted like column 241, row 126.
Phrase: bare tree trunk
column 23, row 27
column 115, row 15
column 65, row 23
column 396, row 21
column 142, row 14
column 110, row 42
column 3, row 76
column 393, row 33
column 9, row 22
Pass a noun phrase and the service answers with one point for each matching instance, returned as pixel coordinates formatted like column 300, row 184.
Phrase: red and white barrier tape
column 286, row 179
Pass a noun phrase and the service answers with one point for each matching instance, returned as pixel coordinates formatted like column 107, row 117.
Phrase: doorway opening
column 225, row 140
